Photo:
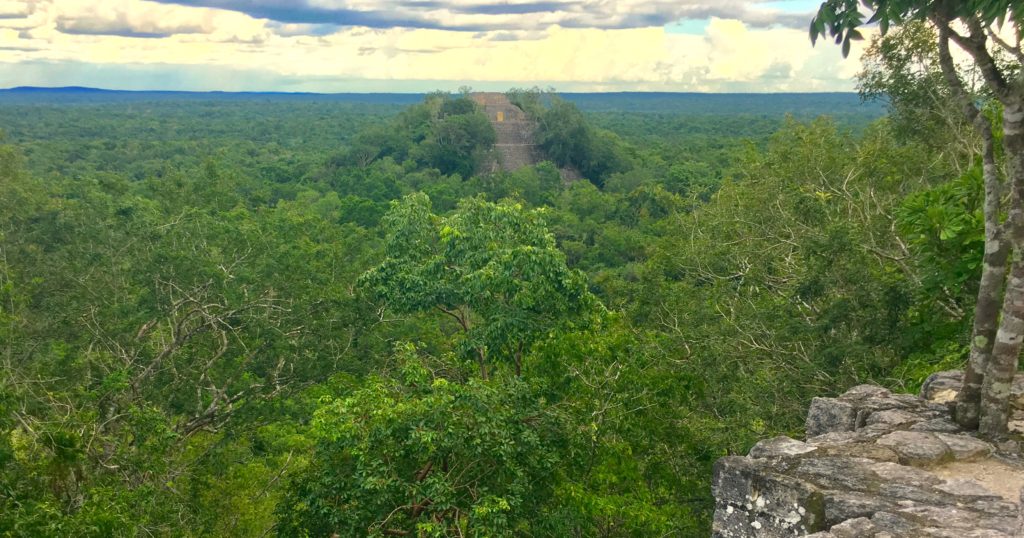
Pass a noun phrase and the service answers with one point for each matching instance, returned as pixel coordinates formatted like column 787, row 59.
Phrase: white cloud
column 481, row 15
column 731, row 55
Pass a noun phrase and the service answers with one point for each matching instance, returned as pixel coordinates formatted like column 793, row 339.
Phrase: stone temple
column 515, row 146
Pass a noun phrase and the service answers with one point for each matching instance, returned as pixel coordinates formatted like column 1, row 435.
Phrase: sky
column 419, row 45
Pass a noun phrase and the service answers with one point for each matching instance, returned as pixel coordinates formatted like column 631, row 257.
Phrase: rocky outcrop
column 874, row 464
column 943, row 386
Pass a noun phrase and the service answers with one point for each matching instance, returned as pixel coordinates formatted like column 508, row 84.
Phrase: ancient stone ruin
column 515, row 145
column 876, row 464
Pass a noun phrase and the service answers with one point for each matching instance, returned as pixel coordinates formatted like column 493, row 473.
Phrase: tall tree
column 974, row 26
column 492, row 268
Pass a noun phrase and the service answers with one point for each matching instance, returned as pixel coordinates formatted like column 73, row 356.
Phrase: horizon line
column 279, row 92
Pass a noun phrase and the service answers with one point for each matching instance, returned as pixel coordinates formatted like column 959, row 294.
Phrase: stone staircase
column 514, row 146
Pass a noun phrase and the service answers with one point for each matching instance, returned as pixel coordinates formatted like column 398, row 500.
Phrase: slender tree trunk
column 997, row 249
column 481, row 359
column 986, row 309
column 995, row 390
column 1002, row 365
column 995, row 398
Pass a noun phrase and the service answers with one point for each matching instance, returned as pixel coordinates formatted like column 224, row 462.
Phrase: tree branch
column 975, row 45
column 1015, row 50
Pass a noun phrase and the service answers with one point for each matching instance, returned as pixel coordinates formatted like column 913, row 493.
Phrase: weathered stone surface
column 839, row 438
column 828, row 415
column 965, row 448
column 514, row 145
column 875, row 464
column 943, row 387
column 860, row 527
column 778, row 447
column 842, row 506
column 893, row 417
column 751, row 501
column 966, row 488
column 870, row 451
column 867, row 392
column 917, row 448
column 944, row 425
column 952, row 517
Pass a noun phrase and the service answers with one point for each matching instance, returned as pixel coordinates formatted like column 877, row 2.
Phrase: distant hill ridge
column 770, row 104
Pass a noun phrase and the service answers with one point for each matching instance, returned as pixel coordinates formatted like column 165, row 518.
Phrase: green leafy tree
column 426, row 452
column 902, row 68
column 492, row 268
column 458, row 143
column 998, row 331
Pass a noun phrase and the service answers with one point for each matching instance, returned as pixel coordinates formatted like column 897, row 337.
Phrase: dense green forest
column 305, row 317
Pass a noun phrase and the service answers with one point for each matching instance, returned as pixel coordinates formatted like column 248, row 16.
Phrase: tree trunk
column 997, row 250
column 995, row 399
column 986, row 311
column 995, row 390
column 1002, row 365
column 481, row 359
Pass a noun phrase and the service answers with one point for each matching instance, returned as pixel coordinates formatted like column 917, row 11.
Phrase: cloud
column 19, row 14
column 130, row 19
column 490, row 15
column 726, row 54
column 121, row 27
column 13, row 9
column 291, row 29
column 518, row 35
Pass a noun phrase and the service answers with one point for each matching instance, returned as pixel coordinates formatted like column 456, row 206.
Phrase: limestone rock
column 875, row 464
column 944, row 425
column 779, row 446
column 893, row 417
column 964, row 447
column 860, row 527
column 870, row 451
column 966, row 488
column 917, row 448
column 751, row 501
column 943, row 387
column 828, row 415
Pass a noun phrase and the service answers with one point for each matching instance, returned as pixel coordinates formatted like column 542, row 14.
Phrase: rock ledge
column 875, row 464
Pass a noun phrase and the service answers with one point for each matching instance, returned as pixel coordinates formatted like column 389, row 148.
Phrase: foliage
column 425, row 452
column 902, row 68
column 202, row 334
column 493, row 268
column 841, row 18
column 982, row 402
column 568, row 139
column 946, row 229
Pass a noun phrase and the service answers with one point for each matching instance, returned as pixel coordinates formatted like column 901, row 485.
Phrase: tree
column 424, row 451
column 459, row 141
column 902, row 68
column 568, row 139
column 973, row 25
column 492, row 268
